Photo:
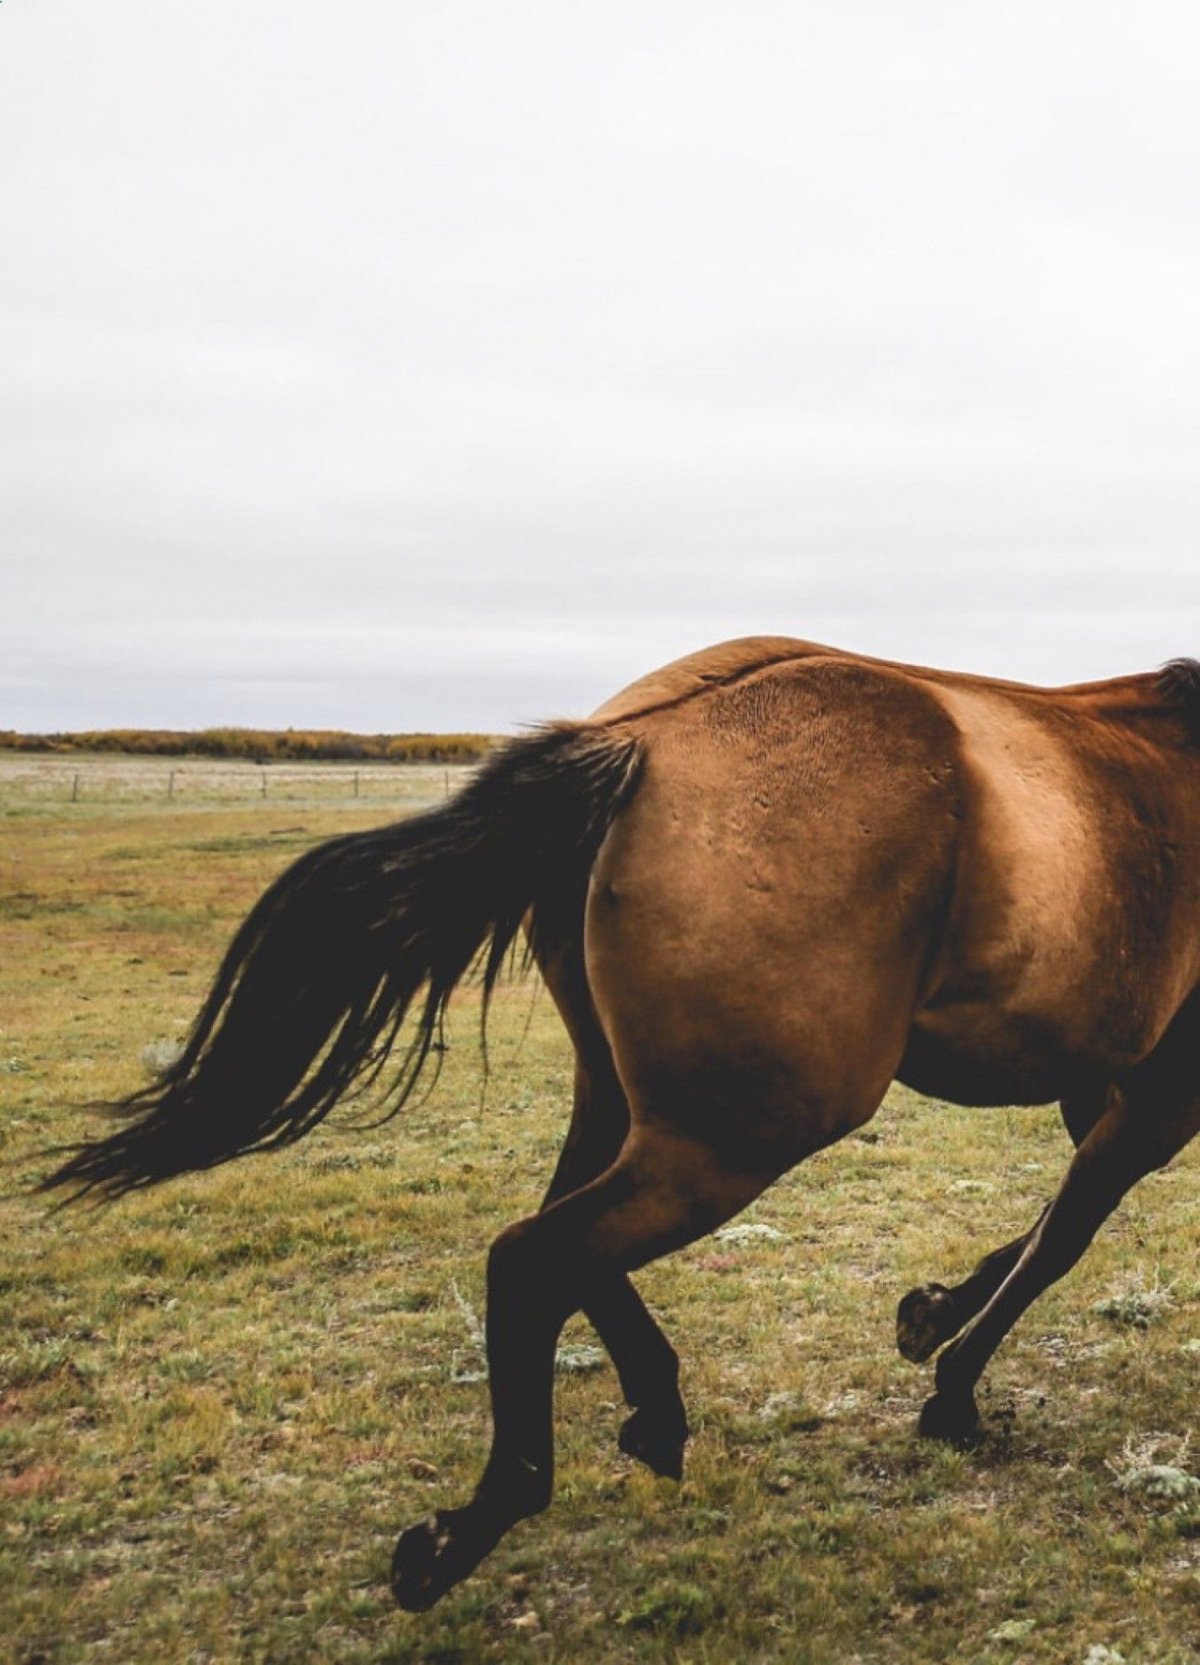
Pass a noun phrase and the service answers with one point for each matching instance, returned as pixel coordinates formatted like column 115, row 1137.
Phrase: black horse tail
column 316, row 983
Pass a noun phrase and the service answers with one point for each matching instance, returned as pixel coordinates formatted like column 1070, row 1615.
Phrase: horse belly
column 986, row 1061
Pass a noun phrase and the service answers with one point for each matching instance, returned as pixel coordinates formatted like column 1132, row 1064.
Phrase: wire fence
column 30, row 781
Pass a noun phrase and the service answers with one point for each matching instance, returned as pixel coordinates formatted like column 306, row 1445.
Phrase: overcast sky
column 409, row 365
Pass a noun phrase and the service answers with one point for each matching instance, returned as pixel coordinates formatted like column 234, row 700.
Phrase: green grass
column 220, row 1402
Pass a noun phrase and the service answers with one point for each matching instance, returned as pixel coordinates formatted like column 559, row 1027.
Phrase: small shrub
column 1136, row 1307
column 748, row 1233
column 1151, row 1467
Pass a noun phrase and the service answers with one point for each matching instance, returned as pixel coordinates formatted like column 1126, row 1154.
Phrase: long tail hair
column 317, row 981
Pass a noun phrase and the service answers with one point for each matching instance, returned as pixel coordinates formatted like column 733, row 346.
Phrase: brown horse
column 760, row 884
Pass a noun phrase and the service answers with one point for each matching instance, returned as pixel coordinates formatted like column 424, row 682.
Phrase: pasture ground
column 219, row 1402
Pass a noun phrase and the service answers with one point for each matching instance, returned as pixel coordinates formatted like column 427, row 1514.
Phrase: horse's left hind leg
column 662, row 1192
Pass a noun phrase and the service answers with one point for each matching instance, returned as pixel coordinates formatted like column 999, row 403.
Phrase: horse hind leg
column 931, row 1315
column 647, row 1366
column 663, row 1191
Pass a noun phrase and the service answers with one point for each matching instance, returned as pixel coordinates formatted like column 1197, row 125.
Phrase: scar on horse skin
column 761, row 883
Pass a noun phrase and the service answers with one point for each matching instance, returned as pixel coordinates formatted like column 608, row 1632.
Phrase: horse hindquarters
column 755, row 929
column 762, row 912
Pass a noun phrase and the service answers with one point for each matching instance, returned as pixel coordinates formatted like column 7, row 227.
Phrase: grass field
column 219, row 1402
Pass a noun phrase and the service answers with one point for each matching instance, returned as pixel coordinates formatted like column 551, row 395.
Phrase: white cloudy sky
column 401, row 365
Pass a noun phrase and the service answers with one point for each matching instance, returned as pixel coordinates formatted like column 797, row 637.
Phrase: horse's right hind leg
column 931, row 1315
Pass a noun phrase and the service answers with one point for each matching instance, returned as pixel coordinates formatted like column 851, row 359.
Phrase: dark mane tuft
column 1179, row 685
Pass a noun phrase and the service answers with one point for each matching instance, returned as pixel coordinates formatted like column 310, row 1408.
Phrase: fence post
column 447, row 774
column 264, row 783
column 75, row 790
column 356, row 783
column 171, row 785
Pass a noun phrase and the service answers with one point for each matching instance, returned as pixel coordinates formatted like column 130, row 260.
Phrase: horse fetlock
column 513, row 1488
column 924, row 1319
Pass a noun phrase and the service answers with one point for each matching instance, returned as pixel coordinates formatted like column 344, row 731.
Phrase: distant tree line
column 262, row 745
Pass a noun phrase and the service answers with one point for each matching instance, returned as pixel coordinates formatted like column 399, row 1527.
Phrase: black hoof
column 435, row 1555
column 413, row 1566
column 657, row 1441
column 924, row 1319
column 953, row 1419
